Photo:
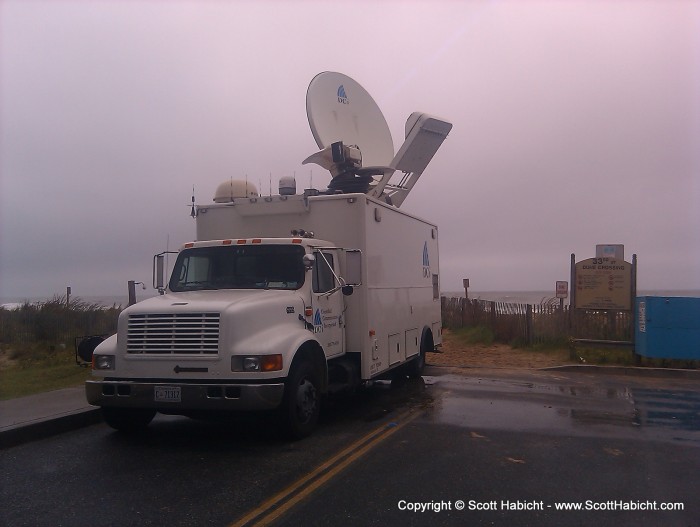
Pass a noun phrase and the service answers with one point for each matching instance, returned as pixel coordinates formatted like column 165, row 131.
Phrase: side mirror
column 85, row 347
column 159, row 272
column 353, row 267
column 309, row 260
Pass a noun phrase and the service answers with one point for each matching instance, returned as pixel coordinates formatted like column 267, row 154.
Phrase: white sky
column 575, row 123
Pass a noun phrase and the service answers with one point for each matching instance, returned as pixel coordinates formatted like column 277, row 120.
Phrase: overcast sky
column 575, row 124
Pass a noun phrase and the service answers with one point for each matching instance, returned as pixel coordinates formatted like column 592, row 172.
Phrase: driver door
column 328, row 320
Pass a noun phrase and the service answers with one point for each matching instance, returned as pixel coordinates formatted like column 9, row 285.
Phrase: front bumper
column 193, row 396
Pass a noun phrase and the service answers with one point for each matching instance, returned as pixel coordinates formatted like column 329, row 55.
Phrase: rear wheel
column 128, row 419
column 302, row 400
column 414, row 369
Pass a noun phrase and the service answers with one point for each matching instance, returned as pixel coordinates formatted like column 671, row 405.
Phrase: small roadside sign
column 562, row 289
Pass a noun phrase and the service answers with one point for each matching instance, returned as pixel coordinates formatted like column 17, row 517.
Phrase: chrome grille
column 173, row 333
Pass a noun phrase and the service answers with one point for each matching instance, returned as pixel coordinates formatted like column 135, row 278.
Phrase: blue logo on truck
column 318, row 322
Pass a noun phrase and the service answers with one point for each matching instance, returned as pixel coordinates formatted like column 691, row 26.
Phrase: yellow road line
column 299, row 490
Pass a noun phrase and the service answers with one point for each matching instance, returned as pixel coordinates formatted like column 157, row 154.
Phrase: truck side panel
column 402, row 259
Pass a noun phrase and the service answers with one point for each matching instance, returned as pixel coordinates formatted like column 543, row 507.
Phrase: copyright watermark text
column 537, row 505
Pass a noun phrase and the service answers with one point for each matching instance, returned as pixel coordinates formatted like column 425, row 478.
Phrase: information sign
column 603, row 283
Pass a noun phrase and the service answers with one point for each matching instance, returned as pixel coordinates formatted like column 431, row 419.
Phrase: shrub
column 51, row 324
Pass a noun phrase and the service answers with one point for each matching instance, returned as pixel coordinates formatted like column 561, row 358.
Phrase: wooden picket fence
column 536, row 323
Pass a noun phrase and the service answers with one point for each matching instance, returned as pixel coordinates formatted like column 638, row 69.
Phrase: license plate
column 168, row 394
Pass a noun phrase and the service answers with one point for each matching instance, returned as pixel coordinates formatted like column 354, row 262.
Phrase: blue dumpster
column 667, row 327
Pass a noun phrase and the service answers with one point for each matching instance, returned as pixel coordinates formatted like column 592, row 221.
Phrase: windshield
column 239, row 267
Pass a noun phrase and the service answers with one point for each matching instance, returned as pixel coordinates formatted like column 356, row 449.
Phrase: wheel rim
column 306, row 400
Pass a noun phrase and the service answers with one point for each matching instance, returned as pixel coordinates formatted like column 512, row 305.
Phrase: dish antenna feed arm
column 424, row 135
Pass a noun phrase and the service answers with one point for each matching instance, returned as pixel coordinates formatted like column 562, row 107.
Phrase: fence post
column 528, row 325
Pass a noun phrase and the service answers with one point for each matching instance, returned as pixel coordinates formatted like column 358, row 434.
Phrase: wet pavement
column 510, row 446
column 520, row 447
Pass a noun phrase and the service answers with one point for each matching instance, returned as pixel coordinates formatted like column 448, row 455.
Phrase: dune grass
column 37, row 344
column 473, row 335
column 36, row 370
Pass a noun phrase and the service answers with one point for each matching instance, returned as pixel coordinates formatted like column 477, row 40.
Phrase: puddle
column 679, row 410
column 506, row 414
column 565, row 408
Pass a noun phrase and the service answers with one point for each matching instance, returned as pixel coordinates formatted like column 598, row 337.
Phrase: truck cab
column 245, row 324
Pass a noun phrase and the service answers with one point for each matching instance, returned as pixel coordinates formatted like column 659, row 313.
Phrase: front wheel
column 128, row 419
column 302, row 400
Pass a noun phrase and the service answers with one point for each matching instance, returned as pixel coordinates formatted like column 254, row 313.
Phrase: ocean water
column 102, row 300
column 513, row 297
column 541, row 297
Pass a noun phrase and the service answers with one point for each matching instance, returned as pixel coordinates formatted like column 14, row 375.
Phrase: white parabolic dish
column 339, row 109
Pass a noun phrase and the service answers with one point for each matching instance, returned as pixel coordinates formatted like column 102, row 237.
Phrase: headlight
column 102, row 362
column 251, row 363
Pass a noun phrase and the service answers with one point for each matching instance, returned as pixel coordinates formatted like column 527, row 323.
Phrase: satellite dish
column 339, row 109
column 356, row 143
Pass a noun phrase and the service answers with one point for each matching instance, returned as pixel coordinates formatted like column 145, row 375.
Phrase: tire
column 128, row 419
column 414, row 369
column 302, row 400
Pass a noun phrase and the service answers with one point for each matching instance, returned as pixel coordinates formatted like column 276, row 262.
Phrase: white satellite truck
column 288, row 297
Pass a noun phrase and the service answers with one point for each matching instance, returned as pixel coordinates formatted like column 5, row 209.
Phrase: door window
column 323, row 279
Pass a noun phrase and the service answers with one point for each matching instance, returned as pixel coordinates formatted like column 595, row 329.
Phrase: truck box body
column 399, row 295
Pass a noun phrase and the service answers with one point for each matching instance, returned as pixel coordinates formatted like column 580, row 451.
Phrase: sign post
column 465, row 283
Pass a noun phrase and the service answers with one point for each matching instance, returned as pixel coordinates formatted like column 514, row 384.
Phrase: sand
column 455, row 354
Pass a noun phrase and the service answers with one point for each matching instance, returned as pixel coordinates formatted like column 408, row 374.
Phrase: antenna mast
column 193, row 212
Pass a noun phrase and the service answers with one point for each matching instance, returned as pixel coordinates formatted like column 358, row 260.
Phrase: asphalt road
column 471, row 448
